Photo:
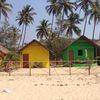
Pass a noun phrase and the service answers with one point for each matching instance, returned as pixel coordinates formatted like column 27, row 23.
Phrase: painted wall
column 78, row 45
column 37, row 53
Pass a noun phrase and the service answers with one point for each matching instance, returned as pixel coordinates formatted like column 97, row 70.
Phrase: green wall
column 75, row 46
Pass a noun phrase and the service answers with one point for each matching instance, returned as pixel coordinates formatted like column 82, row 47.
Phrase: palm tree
column 70, row 25
column 20, row 19
column 84, row 5
column 5, row 8
column 25, row 18
column 53, row 9
column 66, row 8
column 43, row 29
column 94, row 14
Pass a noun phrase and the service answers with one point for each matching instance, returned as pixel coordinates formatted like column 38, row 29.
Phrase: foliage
column 84, row 5
column 10, row 58
column 56, row 47
column 5, row 8
column 25, row 18
column 70, row 25
column 43, row 29
column 66, row 7
column 9, row 35
column 94, row 13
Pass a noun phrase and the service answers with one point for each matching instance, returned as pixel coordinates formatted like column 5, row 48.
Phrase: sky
column 39, row 8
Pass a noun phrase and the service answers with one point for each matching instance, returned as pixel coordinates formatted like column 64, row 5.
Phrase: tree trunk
column 85, row 26
column 0, row 13
column 99, row 36
column 21, row 36
column 94, row 29
column 62, row 22
column 52, row 22
column 24, row 35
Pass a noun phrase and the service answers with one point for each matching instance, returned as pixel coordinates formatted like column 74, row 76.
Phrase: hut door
column 71, row 56
column 25, row 60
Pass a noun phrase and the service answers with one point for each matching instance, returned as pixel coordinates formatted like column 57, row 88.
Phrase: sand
column 58, row 86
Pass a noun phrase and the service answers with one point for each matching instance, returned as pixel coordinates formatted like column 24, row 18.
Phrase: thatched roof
column 97, row 42
column 3, row 49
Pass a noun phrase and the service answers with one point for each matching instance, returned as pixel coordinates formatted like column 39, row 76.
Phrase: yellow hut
column 34, row 52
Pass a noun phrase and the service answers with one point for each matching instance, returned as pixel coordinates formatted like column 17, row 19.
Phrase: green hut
column 79, row 51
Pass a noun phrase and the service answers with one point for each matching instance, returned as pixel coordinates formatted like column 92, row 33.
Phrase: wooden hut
column 34, row 52
column 3, row 52
column 76, row 53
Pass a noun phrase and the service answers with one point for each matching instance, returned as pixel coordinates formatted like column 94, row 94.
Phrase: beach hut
column 3, row 52
column 76, row 54
column 33, row 53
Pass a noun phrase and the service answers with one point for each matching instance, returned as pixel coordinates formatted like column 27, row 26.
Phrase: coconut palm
column 25, row 18
column 70, row 25
column 5, row 8
column 66, row 7
column 84, row 5
column 94, row 14
column 43, row 29
column 20, row 20
column 54, row 9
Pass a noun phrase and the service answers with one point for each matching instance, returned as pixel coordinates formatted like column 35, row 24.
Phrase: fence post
column 49, row 70
column 89, row 68
column 9, row 73
column 30, row 69
column 8, row 69
column 70, row 68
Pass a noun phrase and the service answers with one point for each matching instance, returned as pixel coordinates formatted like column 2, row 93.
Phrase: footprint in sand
column 11, row 79
column 41, row 84
column 53, row 84
column 35, row 85
column 78, row 84
column 61, row 85
column 66, row 84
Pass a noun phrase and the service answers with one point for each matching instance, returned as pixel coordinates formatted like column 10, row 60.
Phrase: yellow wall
column 37, row 53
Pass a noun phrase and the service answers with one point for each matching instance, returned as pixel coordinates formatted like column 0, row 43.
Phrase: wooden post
column 89, row 72
column 70, row 68
column 8, row 68
column 96, row 56
column 49, row 70
column 30, row 65
column 9, row 71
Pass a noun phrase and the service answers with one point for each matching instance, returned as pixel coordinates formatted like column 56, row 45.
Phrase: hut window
column 80, row 52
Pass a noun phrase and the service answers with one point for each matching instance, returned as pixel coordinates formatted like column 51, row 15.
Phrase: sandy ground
column 58, row 86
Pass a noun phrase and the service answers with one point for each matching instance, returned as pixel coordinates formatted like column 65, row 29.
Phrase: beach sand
column 58, row 86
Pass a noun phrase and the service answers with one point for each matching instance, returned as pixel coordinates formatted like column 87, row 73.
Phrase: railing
column 12, row 66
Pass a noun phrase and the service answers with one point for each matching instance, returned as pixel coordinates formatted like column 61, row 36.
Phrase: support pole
column 96, row 56
column 49, row 70
column 30, row 67
column 89, row 70
column 70, row 68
